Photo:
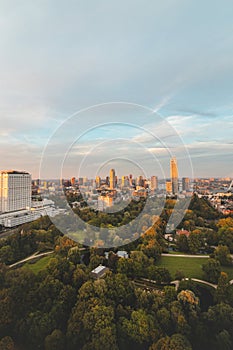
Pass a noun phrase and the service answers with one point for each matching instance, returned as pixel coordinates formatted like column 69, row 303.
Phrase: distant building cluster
column 219, row 192
column 21, row 201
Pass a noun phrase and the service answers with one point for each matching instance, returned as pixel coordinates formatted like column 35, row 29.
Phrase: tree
column 91, row 325
column 223, row 340
column 63, row 245
column 222, row 288
column 170, row 294
column 139, row 328
column 74, row 255
column 6, row 307
column 7, row 343
column 182, row 243
column 152, row 249
column 158, row 274
column 129, row 268
column 222, row 254
column 3, row 270
column 80, row 276
column 120, row 289
column 212, row 270
column 55, row 341
column 175, row 342
column 61, row 269
column 35, row 327
column 6, row 254
column 188, row 299
column 179, row 275
column 95, row 261
column 190, row 285
column 219, row 317
column 194, row 242
column 112, row 260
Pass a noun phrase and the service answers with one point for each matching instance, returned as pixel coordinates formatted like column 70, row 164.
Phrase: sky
column 166, row 66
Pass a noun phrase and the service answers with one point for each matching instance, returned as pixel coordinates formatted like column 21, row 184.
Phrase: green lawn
column 190, row 266
column 39, row 265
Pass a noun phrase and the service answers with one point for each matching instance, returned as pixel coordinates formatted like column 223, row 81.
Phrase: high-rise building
column 174, row 175
column 131, row 180
column 169, row 187
column 140, row 181
column 15, row 190
column 112, row 179
column 185, row 184
column 154, row 183
column 124, row 181
column 107, row 181
column 97, row 181
column 73, row 181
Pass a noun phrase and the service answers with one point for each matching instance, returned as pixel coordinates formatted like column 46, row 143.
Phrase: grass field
column 191, row 267
column 38, row 265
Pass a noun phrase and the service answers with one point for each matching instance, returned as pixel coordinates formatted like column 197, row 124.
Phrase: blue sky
column 172, row 56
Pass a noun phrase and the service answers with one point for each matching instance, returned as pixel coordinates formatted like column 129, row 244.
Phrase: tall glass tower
column 174, row 175
column 112, row 179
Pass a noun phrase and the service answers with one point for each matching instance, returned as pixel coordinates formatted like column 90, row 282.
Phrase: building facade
column 154, row 183
column 15, row 191
column 174, row 175
column 97, row 181
column 185, row 184
column 169, row 187
column 112, row 179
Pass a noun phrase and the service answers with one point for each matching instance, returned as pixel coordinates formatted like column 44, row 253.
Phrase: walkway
column 177, row 282
column 32, row 257
column 185, row 256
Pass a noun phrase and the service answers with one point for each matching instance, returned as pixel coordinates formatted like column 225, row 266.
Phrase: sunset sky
column 174, row 57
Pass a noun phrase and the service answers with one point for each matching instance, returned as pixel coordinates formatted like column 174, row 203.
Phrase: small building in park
column 182, row 232
column 99, row 272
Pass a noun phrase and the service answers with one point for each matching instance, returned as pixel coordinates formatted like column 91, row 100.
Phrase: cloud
column 52, row 65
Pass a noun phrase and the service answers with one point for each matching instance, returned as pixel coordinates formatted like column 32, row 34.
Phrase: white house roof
column 99, row 269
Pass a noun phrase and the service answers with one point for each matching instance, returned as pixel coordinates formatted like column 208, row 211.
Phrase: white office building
column 15, row 191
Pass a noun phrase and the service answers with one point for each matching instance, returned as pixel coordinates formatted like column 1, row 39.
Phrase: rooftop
column 98, row 269
column 13, row 172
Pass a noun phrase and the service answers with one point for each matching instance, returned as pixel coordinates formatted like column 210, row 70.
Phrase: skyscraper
column 154, row 183
column 72, row 181
column 107, row 181
column 112, row 179
column 185, row 184
column 140, row 181
column 97, row 181
column 169, row 187
column 174, row 175
column 15, row 190
column 124, row 181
